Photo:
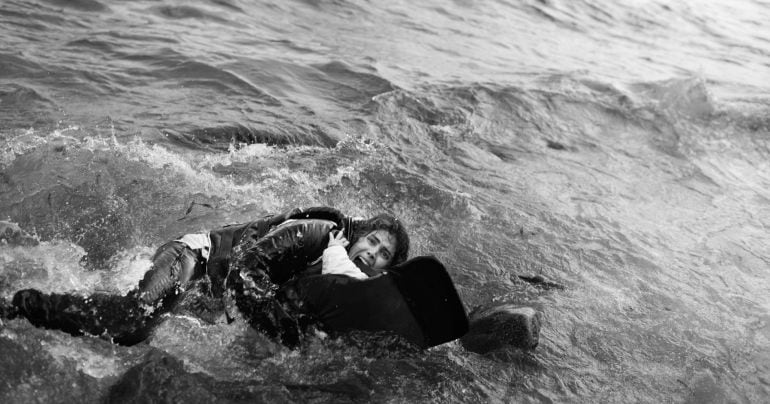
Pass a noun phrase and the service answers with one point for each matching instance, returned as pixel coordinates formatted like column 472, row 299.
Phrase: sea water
column 619, row 148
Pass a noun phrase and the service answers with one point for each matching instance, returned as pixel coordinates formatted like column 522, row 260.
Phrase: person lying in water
column 378, row 243
column 269, row 271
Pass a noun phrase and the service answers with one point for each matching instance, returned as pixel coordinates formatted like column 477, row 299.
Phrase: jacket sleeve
column 284, row 251
column 317, row 212
column 337, row 262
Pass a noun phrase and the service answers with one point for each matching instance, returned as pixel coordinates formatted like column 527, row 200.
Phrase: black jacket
column 287, row 250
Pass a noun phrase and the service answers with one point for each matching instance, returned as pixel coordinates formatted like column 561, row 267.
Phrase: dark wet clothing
column 266, row 269
column 167, row 275
column 174, row 265
column 246, row 266
column 121, row 319
column 416, row 300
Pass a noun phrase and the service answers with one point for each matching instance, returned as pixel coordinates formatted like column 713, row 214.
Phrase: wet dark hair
column 390, row 224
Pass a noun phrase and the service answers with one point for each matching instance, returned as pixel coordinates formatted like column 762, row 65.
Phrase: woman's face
column 375, row 249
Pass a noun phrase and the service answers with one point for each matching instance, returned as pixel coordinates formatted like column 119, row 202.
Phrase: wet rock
column 494, row 327
column 90, row 215
column 7, row 311
column 356, row 388
column 555, row 145
column 26, row 373
column 47, row 366
column 540, row 281
column 704, row 388
column 12, row 234
column 162, row 378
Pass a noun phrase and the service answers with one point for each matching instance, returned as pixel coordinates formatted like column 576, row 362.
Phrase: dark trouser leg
column 173, row 266
column 126, row 320
column 118, row 318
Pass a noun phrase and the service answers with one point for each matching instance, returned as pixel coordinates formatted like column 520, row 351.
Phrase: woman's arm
column 336, row 262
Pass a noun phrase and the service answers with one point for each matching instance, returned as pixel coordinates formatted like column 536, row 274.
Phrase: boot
column 32, row 305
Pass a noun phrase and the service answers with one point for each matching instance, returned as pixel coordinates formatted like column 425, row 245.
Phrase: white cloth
column 336, row 261
column 198, row 241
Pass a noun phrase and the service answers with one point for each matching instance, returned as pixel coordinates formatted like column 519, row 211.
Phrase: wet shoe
column 32, row 304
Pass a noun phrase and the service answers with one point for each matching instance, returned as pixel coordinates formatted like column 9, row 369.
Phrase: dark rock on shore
column 494, row 327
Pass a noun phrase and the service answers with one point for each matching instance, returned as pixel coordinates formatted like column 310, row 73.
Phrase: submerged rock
column 494, row 327
column 540, row 281
column 12, row 234
column 160, row 378
column 40, row 365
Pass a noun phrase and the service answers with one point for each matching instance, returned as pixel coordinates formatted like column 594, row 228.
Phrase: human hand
column 338, row 238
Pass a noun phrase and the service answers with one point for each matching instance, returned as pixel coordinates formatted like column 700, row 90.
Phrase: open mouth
column 363, row 261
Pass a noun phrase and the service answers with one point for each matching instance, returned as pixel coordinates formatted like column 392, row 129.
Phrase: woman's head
column 380, row 241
